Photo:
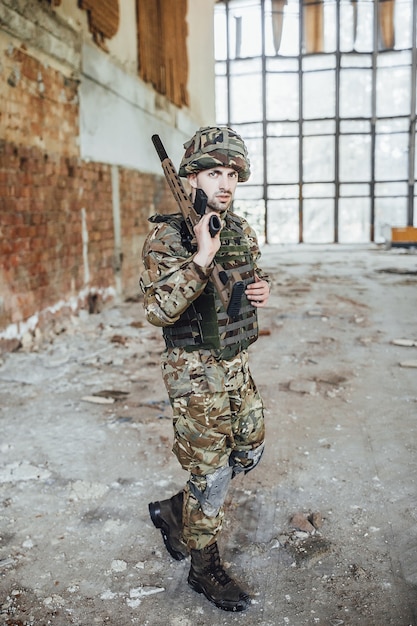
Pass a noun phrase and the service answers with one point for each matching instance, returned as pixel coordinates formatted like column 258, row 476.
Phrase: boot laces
column 216, row 568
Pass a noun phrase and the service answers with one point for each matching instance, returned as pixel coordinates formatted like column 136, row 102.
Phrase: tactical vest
column 205, row 324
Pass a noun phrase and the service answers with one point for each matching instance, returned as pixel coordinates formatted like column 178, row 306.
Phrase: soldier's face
column 219, row 183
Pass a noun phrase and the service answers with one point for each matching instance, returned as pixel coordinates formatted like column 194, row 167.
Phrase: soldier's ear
column 192, row 179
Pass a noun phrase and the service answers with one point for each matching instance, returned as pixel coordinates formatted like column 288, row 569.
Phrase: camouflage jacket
column 171, row 280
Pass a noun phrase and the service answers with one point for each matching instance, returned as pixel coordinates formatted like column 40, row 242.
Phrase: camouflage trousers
column 217, row 410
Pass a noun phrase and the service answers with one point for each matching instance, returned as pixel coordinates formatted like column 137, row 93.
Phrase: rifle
column 230, row 288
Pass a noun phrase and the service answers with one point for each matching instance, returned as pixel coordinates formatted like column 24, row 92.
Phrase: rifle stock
column 230, row 288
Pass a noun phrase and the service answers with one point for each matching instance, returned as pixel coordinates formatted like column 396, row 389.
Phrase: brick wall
column 141, row 195
column 41, row 240
column 45, row 189
column 39, row 103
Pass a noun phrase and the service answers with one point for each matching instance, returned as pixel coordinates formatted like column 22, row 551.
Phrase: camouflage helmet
column 214, row 146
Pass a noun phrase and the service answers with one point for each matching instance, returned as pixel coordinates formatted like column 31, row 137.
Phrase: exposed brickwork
column 44, row 188
column 41, row 244
column 39, row 104
column 141, row 196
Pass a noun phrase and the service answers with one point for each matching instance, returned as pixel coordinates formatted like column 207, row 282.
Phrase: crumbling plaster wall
column 78, row 173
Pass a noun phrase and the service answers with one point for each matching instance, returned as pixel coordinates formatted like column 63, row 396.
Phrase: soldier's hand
column 258, row 292
column 207, row 246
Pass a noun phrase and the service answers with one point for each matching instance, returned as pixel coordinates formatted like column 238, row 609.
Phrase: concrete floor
column 77, row 545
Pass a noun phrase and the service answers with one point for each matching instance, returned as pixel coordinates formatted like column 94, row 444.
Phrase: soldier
column 217, row 410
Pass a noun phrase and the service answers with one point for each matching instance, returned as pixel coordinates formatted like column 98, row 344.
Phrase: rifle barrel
column 159, row 147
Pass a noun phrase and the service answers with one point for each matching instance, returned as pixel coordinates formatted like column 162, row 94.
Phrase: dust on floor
column 323, row 532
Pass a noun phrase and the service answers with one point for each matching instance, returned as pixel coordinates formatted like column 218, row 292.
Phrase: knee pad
column 212, row 498
column 239, row 459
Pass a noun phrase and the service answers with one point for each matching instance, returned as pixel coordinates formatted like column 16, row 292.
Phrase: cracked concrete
column 86, row 438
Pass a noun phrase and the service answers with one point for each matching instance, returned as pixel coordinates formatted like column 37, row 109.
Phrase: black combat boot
column 208, row 576
column 167, row 515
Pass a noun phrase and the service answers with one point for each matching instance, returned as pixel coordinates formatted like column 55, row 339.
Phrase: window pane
column 391, row 189
column 283, row 191
column 317, row 190
column 364, row 28
column 355, row 158
column 255, row 150
column 220, row 32
column 244, row 29
column 391, row 211
column 349, row 190
column 253, row 137
column 393, row 91
column 282, row 101
column 318, row 221
column 355, row 126
column 329, row 25
column 327, row 127
column 394, row 59
column 246, row 98
column 346, row 27
column 248, row 192
column 281, row 64
column 254, row 212
column 415, row 164
column 403, row 24
column 282, row 162
column 221, row 99
column 319, row 95
column 318, row 158
column 251, row 130
column 319, row 62
column 355, row 93
column 283, row 221
column 391, row 157
column 281, row 129
column 356, row 60
column 392, row 126
column 282, row 29
column 354, row 220
column 247, row 66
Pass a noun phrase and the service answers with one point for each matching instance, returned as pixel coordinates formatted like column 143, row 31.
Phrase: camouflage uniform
column 217, row 410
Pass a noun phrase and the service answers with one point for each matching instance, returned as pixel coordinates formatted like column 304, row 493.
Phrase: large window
column 324, row 93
